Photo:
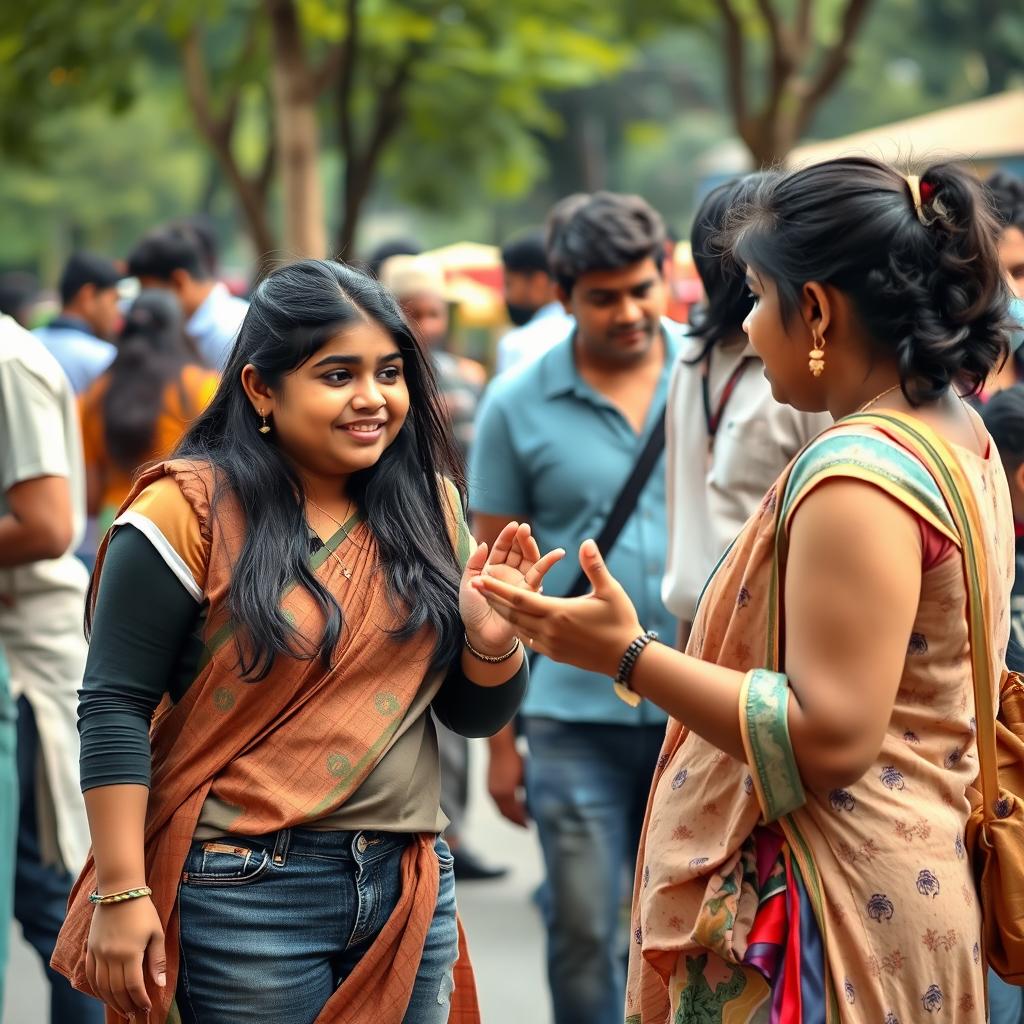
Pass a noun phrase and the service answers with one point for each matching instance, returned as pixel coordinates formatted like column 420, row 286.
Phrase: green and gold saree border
column 764, row 723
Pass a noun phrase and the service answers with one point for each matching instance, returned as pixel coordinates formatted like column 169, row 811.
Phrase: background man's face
column 618, row 312
column 525, row 293
column 99, row 309
column 429, row 315
column 1011, row 255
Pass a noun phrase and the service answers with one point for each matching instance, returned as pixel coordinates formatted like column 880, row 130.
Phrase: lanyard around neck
column 713, row 415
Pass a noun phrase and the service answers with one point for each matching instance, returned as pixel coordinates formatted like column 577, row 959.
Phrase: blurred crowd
column 110, row 382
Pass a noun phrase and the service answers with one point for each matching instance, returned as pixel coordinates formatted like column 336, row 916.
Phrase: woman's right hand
column 126, row 942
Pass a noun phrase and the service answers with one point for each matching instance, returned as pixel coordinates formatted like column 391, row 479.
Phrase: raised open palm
column 515, row 560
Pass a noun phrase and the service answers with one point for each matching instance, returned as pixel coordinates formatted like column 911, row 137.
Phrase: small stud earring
column 817, row 357
column 264, row 427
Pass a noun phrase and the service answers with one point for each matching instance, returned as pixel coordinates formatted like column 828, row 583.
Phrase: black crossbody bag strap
column 625, row 501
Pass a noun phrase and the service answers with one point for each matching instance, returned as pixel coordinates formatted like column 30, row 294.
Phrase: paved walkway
column 502, row 924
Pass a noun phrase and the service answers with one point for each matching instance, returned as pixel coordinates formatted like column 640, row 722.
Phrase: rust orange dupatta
column 330, row 727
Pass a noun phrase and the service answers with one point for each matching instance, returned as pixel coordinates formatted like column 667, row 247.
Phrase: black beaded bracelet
column 626, row 666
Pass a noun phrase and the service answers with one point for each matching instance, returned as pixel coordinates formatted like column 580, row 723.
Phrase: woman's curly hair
column 927, row 286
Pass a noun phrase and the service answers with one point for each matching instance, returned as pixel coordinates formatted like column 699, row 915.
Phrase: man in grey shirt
column 42, row 597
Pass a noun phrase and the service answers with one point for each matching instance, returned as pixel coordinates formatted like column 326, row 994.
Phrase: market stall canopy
column 985, row 130
column 473, row 273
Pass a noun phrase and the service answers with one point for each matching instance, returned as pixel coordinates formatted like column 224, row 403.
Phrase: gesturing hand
column 591, row 632
column 515, row 561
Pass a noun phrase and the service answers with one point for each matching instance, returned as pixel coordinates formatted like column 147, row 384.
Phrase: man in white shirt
column 727, row 439
column 42, row 600
column 531, row 298
column 79, row 338
column 173, row 257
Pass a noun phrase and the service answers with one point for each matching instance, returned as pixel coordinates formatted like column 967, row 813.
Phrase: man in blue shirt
column 532, row 300
column 556, row 440
column 175, row 258
column 79, row 337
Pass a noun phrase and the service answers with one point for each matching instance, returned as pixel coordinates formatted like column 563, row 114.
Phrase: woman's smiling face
column 337, row 412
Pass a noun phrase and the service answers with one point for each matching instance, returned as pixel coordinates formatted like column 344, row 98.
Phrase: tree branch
column 773, row 23
column 361, row 166
column 735, row 64
column 389, row 109
column 245, row 55
column 218, row 131
column 782, row 58
column 346, row 85
column 802, row 24
column 835, row 63
column 266, row 172
column 197, row 86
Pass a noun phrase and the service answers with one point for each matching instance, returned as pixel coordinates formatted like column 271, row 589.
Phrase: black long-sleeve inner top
column 146, row 642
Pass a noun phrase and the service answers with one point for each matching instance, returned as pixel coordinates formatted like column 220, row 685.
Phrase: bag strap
column 941, row 461
column 626, row 499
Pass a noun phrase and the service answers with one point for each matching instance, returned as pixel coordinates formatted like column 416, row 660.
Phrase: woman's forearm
column 117, row 822
column 483, row 673
column 704, row 697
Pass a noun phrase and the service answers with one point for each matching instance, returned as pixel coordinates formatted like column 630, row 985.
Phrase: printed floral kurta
column 884, row 860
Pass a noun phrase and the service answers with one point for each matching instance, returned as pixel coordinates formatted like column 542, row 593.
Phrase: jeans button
column 362, row 843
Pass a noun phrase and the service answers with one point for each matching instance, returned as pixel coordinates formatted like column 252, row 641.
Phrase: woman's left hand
column 516, row 562
column 590, row 632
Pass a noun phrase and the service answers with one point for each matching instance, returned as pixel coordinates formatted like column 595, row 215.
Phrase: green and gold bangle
column 119, row 897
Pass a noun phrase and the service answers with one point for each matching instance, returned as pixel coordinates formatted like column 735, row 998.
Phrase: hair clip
column 914, row 182
column 923, row 194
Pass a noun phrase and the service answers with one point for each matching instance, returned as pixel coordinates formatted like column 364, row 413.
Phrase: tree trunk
column 793, row 90
column 254, row 210
column 297, row 133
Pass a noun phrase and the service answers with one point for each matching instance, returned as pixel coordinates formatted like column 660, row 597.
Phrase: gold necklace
column 345, row 570
column 878, row 398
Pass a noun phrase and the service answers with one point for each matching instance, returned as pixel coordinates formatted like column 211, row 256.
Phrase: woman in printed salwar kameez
column 804, row 857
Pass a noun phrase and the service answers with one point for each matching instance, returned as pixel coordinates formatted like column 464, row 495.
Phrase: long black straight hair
column 293, row 312
column 152, row 351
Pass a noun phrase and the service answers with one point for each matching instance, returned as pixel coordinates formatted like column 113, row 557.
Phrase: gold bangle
column 119, row 897
column 487, row 658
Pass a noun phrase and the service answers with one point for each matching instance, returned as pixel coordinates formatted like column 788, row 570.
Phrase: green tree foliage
column 476, row 112
column 106, row 179
column 463, row 86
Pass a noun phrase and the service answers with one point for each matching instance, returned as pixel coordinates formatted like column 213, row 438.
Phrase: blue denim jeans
column 8, row 811
column 1005, row 1002
column 271, row 925
column 587, row 787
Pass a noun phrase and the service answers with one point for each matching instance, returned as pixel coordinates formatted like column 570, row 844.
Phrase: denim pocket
column 225, row 862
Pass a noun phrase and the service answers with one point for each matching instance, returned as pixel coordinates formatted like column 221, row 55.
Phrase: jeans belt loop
column 280, row 854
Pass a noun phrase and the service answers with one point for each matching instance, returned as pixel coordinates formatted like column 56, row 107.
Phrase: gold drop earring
column 264, row 427
column 817, row 356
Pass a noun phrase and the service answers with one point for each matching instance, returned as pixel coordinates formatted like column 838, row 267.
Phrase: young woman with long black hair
column 292, row 590
column 137, row 411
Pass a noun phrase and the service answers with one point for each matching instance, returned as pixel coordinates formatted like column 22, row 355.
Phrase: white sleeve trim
column 164, row 548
